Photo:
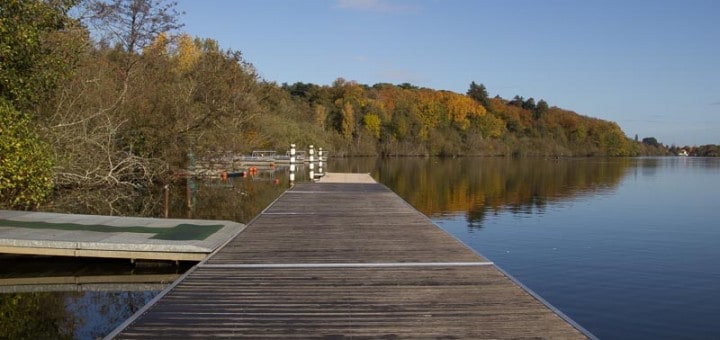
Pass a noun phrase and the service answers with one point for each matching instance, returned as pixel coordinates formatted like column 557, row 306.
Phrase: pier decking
column 345, row 260
column 37, row 233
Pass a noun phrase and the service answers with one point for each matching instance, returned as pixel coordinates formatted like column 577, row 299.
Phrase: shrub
column 26, row 165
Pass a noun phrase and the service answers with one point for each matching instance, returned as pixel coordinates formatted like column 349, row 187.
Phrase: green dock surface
column 37, row 233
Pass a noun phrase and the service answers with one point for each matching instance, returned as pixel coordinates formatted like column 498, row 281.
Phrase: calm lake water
column 628, row 248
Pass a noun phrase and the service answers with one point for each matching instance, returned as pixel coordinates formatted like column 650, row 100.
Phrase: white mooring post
column 311, row 164
column 320, row 162
column 292, row 164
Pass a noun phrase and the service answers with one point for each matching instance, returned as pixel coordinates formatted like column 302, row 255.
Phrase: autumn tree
column 133, row 24
column 372, row 124
column 97, row 120
column 97, row 162
column 349, row 99
column 490, row 126
column 221, row 95
column 461, row 108
column 320, row 115
column 187, row 54
column 347, row 120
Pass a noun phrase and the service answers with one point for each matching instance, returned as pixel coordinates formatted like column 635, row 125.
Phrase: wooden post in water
column 292, row 164
column 311, row 164
column 167, row 200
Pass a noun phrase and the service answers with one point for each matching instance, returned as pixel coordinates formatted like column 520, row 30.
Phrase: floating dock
column 51, row 234
column 346, row 258
column 96, row 283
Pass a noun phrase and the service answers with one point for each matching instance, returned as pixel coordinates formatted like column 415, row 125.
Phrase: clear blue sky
column 651, row 66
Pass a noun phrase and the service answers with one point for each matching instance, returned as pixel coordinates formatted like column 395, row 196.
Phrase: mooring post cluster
column 312, row 159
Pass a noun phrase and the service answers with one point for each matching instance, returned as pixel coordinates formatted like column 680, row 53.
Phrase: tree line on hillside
column 708, row 150
column 652, row 144
column 403, row 119
column 115, row 98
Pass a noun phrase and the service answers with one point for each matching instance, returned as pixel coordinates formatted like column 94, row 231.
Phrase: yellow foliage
column 320, row 115
column 188, row 53
column 350, row 91
column 348, row 120
column 460, row 108
column 372, row 124
column 159, row 45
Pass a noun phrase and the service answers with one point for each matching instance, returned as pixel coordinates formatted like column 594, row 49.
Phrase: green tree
column 529, row 104
column 26, row 166
column 37, row 50
column 34, row 50
column 518, row 100
column 479, row 93
column 540, row 109
column 650, row 141
column 490, row 126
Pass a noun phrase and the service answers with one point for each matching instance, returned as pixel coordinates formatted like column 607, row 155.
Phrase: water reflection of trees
column 67, row 315
column 38, row 315
column 98, row 313
column 476, row 186
column 54, row 308
column 237, row 199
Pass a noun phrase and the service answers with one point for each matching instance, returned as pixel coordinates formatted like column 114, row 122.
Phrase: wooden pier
column 346, row 259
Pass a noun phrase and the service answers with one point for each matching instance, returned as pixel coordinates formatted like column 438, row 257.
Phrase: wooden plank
column 342, row 223
column 435, row 302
